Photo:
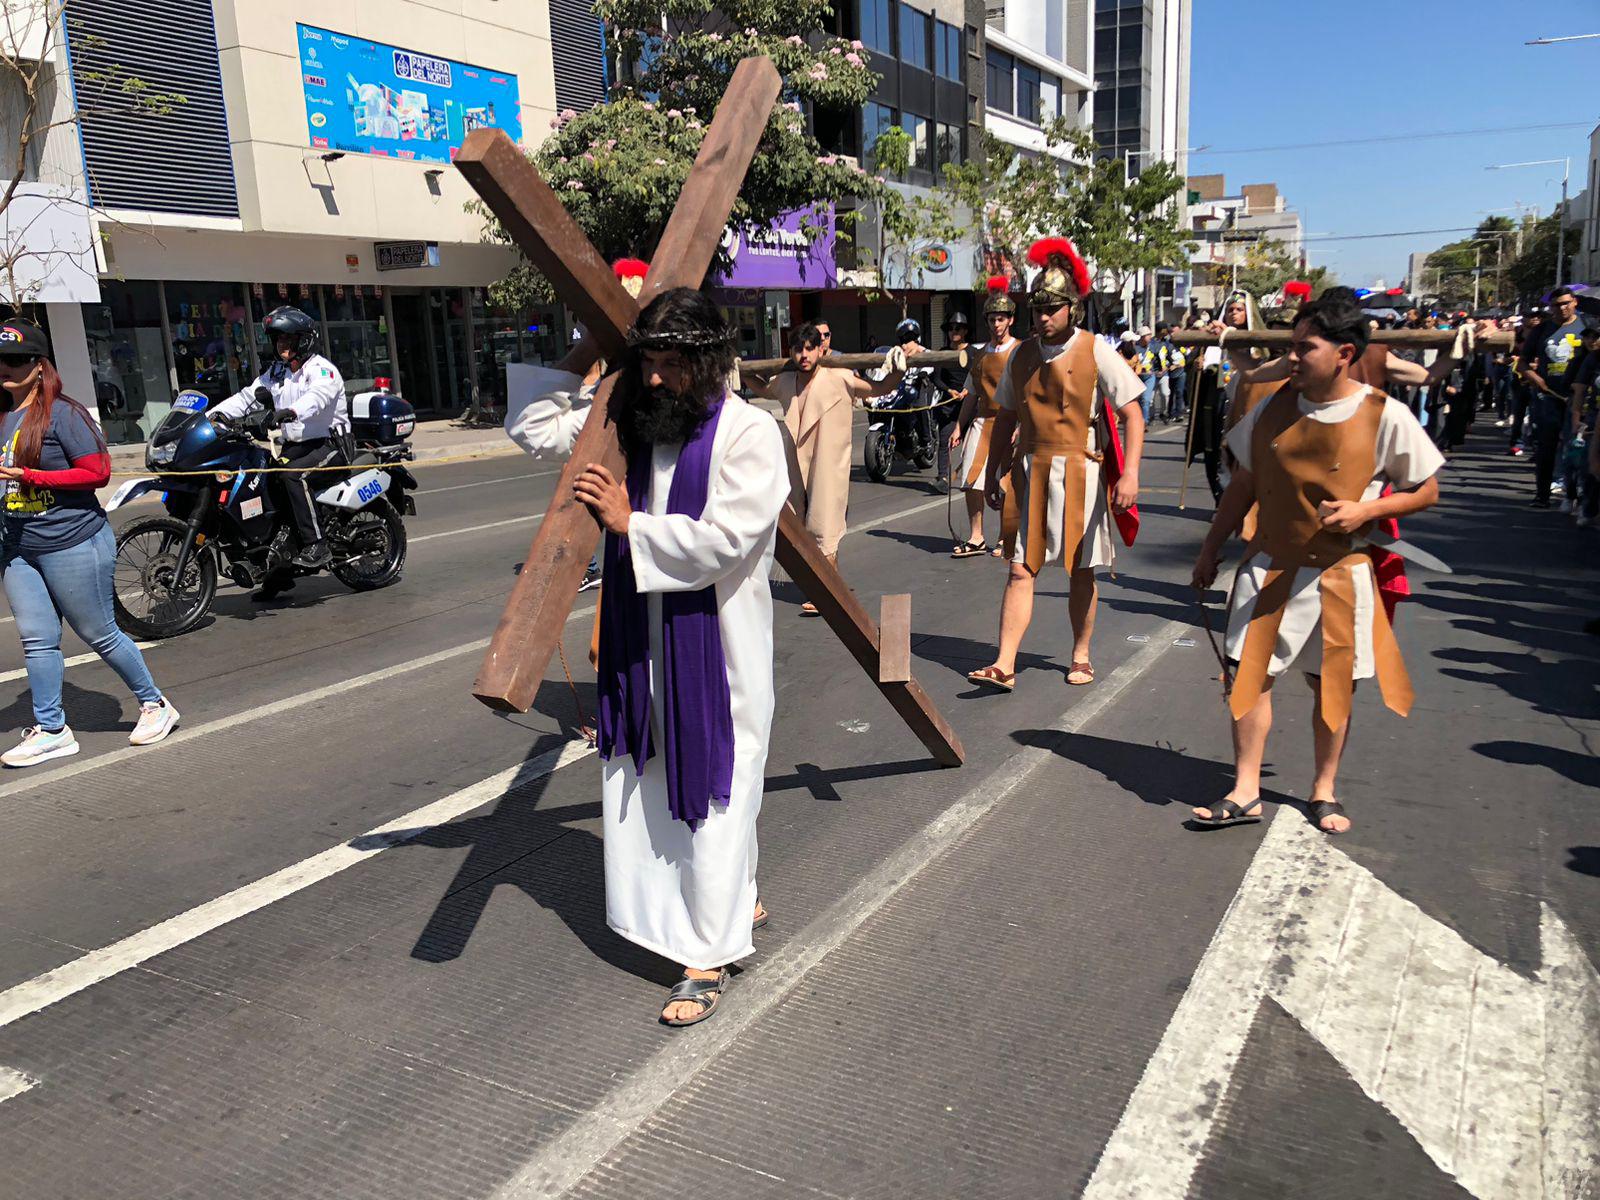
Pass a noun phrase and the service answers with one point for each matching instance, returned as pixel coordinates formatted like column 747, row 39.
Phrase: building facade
column 306, row 162
column 1228, row 227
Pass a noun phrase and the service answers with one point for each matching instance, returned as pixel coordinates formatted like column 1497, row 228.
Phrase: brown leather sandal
column 1080, row 668
column 993, row 677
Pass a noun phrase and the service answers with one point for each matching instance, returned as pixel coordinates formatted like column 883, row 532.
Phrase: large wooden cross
column 545, row 591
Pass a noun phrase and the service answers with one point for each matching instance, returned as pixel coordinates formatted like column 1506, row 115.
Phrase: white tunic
column 1405, row 458
column 1116, row 384
column 689, row 895
column 972, row 441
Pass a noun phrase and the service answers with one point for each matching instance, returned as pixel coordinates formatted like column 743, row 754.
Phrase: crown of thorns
column 684, row 339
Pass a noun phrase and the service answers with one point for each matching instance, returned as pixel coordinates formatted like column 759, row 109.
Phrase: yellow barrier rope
column 153, row 472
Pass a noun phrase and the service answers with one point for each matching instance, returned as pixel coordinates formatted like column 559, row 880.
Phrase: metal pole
column 1477, row 269
column 1561, row 227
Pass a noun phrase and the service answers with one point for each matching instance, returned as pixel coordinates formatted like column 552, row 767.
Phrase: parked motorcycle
column 224, row 514
column 902, row 424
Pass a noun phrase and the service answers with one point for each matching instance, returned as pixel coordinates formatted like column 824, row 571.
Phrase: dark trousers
column 1177, row 394
column 1544, row 429
column 297, row 488
column 1519, row 409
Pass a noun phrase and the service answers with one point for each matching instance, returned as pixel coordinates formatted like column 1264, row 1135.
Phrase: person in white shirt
column 308, row 398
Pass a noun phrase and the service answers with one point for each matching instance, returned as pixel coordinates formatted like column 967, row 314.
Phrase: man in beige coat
column 818, row 407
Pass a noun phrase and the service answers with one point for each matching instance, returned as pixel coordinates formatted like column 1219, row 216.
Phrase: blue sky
column 1278, row 72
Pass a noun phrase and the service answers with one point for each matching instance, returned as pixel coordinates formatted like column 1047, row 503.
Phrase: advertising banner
column 370, row 98
column 784, row 254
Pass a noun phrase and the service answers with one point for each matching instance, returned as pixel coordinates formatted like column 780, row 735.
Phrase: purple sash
column 696, row 708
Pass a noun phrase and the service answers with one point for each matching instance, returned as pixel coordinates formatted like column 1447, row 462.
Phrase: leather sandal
column 1225, row 813
column 1080, row 668
column 970, row 550
column 706, row 993
column 1320, row 810
column 993, row 677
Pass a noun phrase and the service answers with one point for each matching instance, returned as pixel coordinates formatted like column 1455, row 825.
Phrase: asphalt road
column 344, row 936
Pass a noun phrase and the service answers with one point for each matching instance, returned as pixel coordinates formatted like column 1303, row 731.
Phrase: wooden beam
column 799, row 555
column 1279, row 339
column 860, row 362
column 894, row 638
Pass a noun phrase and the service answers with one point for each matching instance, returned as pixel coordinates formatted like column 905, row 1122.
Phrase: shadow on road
column 1159, row 775
column 87, row 712
column 1582, row 769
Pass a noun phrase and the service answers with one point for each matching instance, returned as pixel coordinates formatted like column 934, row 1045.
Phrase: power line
column 1362, row 237
column 1397, row 137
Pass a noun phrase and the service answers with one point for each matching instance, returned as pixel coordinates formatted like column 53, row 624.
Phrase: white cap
column 1128, row 335
column 1146, row 331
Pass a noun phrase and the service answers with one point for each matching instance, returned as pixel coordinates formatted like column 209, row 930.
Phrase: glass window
column 948, row 145
column 210, row 327
column 1128, row 47
column 947, row 50
column 914, row 37
column 1028, row 86
column 358, row 334
column 918, row 128
column 1105, row 48
column 875, row 118
column 1049, row 99
column 128, row 356
column 1001, row 86
column 875, row 26
column 1128, row 105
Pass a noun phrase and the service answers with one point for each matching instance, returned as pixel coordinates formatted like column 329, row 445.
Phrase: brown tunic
column 819, row 417
column 1297, row 464
column 1055, row 407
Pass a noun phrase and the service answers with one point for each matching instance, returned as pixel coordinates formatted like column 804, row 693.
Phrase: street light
column 1561, row 220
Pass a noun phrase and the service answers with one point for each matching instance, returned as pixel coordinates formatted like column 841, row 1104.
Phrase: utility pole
column 1477, row 273
column 1561, row 227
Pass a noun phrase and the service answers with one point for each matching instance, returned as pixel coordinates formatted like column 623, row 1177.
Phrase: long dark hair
column 36, row 421
column 681, row 319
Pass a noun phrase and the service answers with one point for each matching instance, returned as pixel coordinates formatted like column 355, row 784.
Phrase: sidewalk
column 434, row 440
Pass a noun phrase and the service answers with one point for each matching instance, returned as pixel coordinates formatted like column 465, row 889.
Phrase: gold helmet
column 630, row 272
column 999, row 303
column 1063, row 278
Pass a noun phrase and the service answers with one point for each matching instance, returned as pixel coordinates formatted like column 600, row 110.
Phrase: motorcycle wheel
column 377, row 536
column 875, row 456
column 147, row 605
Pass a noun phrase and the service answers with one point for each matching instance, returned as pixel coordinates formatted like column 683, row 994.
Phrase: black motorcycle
column 224, row 514
column 903, row 424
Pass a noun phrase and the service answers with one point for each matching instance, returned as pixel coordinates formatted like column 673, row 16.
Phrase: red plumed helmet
column 998, row 283
column 630, row 268
column 1297, row 288
column 1044, row 250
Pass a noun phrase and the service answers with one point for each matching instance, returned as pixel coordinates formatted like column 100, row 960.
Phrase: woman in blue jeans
column 58, row 548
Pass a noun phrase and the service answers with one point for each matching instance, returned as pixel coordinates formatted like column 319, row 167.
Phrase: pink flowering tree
column 619, row 166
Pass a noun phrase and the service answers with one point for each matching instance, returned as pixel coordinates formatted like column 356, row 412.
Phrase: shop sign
column 366, row 97
column 352, row 262
column 936, row 258
column 403, row 256
column 795, row 251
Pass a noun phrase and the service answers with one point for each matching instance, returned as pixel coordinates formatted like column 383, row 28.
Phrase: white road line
column 33, row 782
column 597, row 1132
column 13, row 1083
column 1496, row 1077
column 89, row 969
column 428, row 537
column 457, row 487
column 77, row 660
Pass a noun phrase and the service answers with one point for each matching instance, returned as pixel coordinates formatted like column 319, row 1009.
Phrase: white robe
column 689, row 895
column 1405, row 458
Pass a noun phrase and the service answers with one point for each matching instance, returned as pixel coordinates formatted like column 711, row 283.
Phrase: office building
column 1228, row 226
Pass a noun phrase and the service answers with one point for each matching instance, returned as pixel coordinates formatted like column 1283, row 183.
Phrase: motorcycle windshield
column 174, row 425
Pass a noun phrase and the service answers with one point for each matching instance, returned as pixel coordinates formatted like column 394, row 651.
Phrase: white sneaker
column 155, row 722
column 37, row 746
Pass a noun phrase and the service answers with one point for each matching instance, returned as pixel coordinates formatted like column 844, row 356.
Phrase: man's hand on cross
column 607, row 499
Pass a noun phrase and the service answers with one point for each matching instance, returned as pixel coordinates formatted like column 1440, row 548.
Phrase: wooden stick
column 1279, row 339
column 799, row 555
column 894, row 638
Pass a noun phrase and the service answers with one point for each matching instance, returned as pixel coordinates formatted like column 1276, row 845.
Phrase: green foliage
column 1268, row 265
column 909, row 226
column 1121, row 225
column 619, row 167
column 1448, row 271
column 1533, row 272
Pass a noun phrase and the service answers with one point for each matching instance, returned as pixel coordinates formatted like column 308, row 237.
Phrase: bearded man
column 685, row 639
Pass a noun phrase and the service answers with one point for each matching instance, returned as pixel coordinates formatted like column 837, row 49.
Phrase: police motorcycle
column 902, row 423
column 224, row 514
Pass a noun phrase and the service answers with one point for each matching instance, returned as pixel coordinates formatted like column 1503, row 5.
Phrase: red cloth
column 1113, row 463
column 87, row 473
column 1393, row 586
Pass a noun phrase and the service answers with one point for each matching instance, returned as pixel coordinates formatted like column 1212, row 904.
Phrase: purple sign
column 795, row 252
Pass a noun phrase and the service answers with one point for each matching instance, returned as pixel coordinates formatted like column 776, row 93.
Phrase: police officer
column 308, row 398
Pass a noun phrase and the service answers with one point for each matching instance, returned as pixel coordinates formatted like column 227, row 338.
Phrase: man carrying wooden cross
column 1053, row 393
column 685, row 656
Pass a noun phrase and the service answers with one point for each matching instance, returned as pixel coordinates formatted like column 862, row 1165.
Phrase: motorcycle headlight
column 160, row 456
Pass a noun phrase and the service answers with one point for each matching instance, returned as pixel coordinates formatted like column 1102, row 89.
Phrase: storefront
column 442, row 344
column 769, row 265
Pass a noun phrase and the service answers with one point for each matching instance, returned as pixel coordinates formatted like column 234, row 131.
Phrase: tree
column 31, row 101
column 1451, row 268
column 911, row 228
column 1121, row 225
column 1533, row 272
column 1268, row 265
column 619, row 166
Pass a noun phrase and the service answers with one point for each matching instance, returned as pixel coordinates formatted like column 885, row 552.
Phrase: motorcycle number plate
column 250, row 508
